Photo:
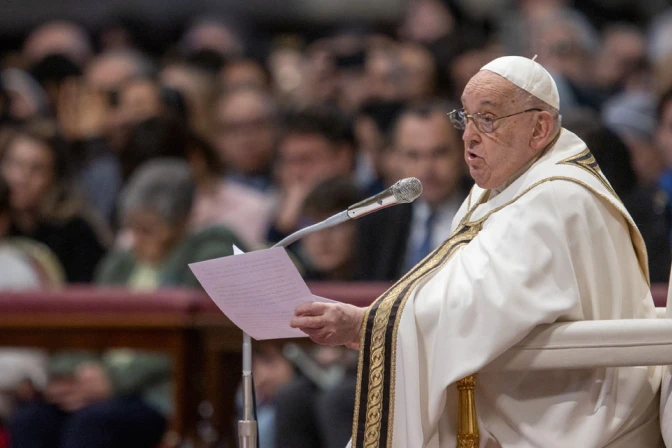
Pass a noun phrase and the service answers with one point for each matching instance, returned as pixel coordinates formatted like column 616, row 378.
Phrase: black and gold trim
column 374, row 405
column 586, row 161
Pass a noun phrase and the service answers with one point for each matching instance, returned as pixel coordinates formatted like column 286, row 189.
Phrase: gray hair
column 163, row 186
column 631, row 115
column 530, row 101
column 584, row 31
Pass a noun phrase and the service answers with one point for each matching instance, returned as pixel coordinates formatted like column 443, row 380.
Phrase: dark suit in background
column 382, row 239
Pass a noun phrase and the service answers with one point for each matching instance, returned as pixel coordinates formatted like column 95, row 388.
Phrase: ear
column 541, row 133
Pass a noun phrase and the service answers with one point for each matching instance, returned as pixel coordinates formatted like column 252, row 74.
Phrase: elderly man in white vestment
column 541, row 238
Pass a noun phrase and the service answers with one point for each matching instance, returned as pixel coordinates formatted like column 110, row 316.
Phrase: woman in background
column 34, row 164
column 155, row 208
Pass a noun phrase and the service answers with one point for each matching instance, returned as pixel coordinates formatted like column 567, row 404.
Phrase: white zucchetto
column 529, row 75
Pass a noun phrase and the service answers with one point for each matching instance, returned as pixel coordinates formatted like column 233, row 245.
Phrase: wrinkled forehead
column 487, row 88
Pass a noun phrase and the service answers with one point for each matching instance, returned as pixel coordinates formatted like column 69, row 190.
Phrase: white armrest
column 591, row 344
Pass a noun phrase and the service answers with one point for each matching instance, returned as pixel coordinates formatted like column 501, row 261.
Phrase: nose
column 470, row 132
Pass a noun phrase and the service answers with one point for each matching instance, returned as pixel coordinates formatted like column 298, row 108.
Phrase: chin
column 482, row 182
column 479, row 182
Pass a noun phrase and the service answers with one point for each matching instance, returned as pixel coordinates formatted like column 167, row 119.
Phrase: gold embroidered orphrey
column 586, row 161
column 374, row 404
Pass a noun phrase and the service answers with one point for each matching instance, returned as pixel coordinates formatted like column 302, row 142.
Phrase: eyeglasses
column 484, row 123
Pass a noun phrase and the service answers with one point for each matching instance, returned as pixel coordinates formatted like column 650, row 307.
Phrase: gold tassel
column 467, row 423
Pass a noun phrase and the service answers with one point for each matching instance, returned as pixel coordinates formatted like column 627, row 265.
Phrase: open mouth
column 472, row 156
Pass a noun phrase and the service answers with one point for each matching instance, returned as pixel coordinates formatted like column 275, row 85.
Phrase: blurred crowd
column 119, row 166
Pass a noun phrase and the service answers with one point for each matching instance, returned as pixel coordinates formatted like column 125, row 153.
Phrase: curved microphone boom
column 402, row 192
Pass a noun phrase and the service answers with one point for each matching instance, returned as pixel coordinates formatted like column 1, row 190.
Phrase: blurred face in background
column 139, row 100
column 562, row 50
column 306, row 159
column 245, row 132
column 331, row 251
column 419, row 71
column 151, row 237
column 429, row 148
column 384, row 76
column 243, row 73
column 28, row 168
column 198, row 89
column 108, row 73
column 271, row 371
column 426, row 21
column 622, row 54
column 463, row 67
column 647, row 162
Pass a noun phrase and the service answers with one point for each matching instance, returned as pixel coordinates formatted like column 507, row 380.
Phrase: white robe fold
column 554, row 245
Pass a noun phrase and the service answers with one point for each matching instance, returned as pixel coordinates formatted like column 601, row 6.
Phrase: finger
column 312, row 331
column 307, row 322
column 310, row 309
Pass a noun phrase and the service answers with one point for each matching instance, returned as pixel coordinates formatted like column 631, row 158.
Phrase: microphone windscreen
column 407, row 190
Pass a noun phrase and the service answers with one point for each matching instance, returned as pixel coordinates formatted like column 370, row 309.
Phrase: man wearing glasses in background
column 424, row 145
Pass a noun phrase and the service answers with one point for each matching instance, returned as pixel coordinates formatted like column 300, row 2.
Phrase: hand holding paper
column 258, row 291
column 330, row 323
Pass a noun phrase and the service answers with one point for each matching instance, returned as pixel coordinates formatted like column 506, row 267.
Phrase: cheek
column 41, row 183
column 312, row 243
column 451, row 168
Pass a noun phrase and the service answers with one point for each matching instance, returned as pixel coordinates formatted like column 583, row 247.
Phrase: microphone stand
column 247, row 427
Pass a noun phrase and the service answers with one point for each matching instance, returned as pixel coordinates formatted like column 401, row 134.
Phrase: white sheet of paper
column 258, row 291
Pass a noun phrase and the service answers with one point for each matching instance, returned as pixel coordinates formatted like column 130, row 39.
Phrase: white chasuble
column 554, row 245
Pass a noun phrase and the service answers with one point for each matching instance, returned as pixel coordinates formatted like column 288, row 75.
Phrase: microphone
column 402, row 192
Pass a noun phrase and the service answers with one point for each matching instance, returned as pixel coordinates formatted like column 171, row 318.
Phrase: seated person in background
column 330, row 253
column 120, row 398
column 151, row 139
column 271, row 372
column 425, row 145
column 614, row 160
column 154, row 209
column 373, row 123
column 316, row 409
column 83, row 115
column 35, row 166
column 18, row 271
column 244, row 135
column 219, row 201
column 317, row 143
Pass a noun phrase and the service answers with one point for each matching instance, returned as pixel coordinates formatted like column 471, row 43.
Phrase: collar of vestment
column 567, row 160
